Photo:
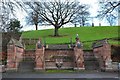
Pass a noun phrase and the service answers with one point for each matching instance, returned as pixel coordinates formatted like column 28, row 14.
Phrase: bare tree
column 107, row 6
column 33, row 18
column 7, row 8
column 57, row 13
column 81, row 18
column 111, row 19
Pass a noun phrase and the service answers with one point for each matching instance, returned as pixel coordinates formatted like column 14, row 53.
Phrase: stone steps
column 28, row 62
column 90, row 62
column 27, row 65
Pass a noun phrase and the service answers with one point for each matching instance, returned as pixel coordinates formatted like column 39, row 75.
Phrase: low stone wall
column 49, row 53
column 52, row 55
column 29, row 54
column 52, row 65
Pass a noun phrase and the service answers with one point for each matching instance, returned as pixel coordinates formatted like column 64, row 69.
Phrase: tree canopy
column 57, row 13
column 8, row 9
column 33, row 18
column 14, row 26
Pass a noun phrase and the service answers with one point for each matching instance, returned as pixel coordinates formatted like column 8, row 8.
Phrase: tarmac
column 95, row 75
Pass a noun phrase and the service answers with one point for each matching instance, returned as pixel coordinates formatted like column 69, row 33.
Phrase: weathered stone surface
column 57, row 47
column 63, row 55
column 39, row 59
column 103, row 53
column 90, row 61
column 79, row 58
column 14, row 54
column 29, row 54
column 2, row 68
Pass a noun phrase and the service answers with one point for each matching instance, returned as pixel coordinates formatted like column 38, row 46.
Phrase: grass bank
column 86, row 34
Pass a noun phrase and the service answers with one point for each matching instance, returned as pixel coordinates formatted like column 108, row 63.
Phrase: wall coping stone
column 16, row 43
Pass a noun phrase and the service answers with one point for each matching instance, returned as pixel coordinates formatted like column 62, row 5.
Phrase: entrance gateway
column 59, row 56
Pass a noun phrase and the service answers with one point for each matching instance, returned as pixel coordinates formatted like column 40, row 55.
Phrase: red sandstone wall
column 39, row 59
column 103, row 54
column 48, row 53
column 79, row 58
column 50, row 63
column 2, row 55
column 19, row 55
column 29, row 54
column 14, row 56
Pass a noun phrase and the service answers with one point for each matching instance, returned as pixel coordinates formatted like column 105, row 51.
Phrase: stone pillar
column 14, row 54
column 11, row 57
column 19, row 55
column 79, row 59
column 39, row 59
column 78, row 53
column 103, row 54
column 107, row 56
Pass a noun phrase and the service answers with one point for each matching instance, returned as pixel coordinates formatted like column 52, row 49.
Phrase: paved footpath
column 61, row 76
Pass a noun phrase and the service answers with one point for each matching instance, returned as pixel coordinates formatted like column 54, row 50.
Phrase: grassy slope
column 85, row 34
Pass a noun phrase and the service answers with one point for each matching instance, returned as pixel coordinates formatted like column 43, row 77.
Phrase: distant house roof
column 16, row 42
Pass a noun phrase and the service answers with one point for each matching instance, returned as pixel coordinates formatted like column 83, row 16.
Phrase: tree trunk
column 92, row 24
column 75, row 25
column 36, row 26
column 56, row 32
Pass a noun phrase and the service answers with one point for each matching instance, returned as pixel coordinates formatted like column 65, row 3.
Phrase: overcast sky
column 93, row 11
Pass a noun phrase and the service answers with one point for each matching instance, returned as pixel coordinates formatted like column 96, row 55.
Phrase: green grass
column 65, row 71
column 69, row 71
column 60, row 71
column 85, row 34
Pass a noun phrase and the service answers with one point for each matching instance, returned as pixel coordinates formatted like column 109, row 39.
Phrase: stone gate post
column 39, row 56
column 78, row 56
column 14, row 54
column 79, row 60
column 102, row 50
